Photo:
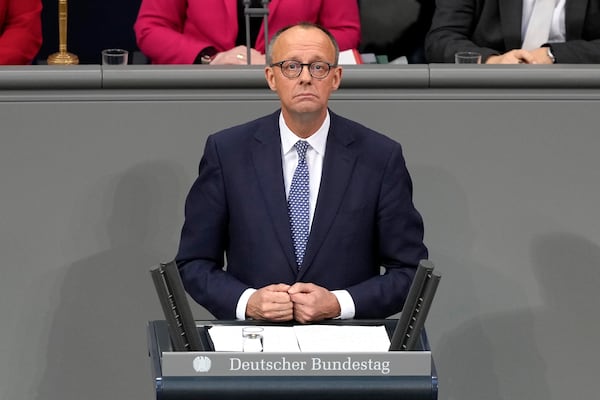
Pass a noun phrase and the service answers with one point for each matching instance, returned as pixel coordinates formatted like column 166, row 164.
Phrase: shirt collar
column 317, row 140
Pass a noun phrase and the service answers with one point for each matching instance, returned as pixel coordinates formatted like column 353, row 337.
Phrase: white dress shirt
column 314, row 159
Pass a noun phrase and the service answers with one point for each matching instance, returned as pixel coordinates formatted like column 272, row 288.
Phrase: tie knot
column 301, row 147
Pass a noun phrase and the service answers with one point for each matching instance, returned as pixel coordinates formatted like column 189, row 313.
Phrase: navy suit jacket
column 364, row 219
column 493, row 27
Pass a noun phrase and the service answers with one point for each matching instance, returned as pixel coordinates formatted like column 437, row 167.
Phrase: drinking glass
column 252, row 337
column 467, row 57
column 115, row 57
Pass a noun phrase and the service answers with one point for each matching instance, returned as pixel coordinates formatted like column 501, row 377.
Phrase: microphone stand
column 62, row 57
column 255, row 12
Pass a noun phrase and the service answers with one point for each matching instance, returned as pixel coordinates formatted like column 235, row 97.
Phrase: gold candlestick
column 62, row 57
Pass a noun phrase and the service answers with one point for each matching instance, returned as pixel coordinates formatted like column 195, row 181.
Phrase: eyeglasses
column 292, row 69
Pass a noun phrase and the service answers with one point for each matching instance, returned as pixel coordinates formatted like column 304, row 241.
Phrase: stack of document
column 306, row 338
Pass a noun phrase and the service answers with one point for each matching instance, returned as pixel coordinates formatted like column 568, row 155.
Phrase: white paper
column 279, row 339
column 342, row 338
column 347, row 57
column 275, row 338
column 306, row 338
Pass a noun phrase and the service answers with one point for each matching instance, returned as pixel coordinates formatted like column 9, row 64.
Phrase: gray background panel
column 93, row 185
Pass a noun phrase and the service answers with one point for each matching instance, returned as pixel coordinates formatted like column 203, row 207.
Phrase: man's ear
column 337, row 78
column 270, row 77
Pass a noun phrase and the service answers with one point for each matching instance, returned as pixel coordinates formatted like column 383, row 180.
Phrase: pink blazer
column 20, row 31
column 175, row 31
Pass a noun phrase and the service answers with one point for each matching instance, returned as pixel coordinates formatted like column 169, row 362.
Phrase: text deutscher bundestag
column 394, row 363
column 314, row 364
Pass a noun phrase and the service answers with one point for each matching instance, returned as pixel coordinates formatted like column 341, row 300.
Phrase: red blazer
column 20, row 31
column 175, row 31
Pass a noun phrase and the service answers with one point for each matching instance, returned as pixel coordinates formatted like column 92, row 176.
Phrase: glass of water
column 467, row 57
column 252, row 339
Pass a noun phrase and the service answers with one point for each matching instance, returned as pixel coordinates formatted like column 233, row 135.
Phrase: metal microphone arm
column 247, row 23
column 255, row 12
column 265, row 4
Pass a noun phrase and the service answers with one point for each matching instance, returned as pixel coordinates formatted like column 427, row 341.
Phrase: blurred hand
column 540, row 56
column 518, row 56
column 237, row 56
column 271, row 303
column 313, row 303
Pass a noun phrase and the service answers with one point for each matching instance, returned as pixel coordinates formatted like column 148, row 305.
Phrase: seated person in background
column 213, row 31
column 20, row 31
column 402, row 35
column 306, row 206
column 498, row 29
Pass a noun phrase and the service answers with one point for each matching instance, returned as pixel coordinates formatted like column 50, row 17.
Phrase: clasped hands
column 303, row 302
column 237, row 56
column 521, row 56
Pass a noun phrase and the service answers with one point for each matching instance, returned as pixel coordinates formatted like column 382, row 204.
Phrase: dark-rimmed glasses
column 292, row 69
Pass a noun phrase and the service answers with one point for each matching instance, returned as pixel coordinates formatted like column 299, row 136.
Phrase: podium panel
column 408, row 379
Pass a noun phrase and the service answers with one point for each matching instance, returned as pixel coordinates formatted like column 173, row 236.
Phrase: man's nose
column 305, row 75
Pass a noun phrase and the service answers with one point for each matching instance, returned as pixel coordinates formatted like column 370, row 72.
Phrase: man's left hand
column 313, row 303
column 541, row 56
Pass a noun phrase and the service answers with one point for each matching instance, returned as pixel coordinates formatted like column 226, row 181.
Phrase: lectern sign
column 406, row 363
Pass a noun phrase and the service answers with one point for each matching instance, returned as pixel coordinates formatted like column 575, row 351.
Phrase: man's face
column 304, row 95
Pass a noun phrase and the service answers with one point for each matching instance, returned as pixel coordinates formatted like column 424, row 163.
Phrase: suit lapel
column 337, row 171
column 266, row 155
column 574, row 17
column 511, row 13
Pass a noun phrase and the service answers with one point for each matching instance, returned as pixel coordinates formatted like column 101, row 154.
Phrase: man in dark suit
column 359, row 205
column 495, row 28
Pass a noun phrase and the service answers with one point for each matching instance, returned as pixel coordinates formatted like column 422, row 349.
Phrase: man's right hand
column 271, row 303
column 518, row 56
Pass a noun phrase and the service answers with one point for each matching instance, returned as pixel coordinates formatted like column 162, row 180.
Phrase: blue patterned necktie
column 299, row 204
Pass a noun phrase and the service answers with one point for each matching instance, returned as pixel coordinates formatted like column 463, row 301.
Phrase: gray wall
column 95, row 165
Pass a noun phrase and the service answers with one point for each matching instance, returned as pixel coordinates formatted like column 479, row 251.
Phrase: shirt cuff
column 240, row 310
column 346, row 304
